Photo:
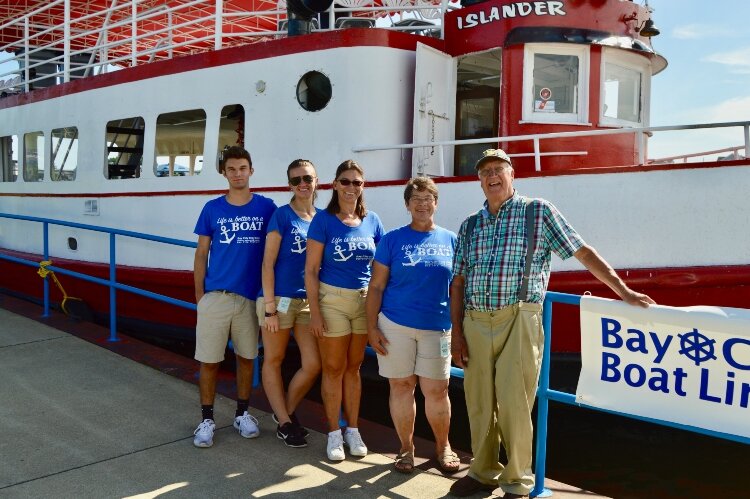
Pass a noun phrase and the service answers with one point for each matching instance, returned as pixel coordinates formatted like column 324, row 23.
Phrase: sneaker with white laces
column 204, row 434
column 353, row 440
column 247, row 425
column 335, row 448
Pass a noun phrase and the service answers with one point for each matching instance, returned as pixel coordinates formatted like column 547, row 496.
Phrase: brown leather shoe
column 467, row 486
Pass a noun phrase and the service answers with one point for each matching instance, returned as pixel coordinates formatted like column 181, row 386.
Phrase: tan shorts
column 222, row 315
column 343, row 310
column 298, row 313
column 413, row 351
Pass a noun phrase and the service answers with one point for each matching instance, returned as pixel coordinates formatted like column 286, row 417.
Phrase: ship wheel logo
column 696, row 347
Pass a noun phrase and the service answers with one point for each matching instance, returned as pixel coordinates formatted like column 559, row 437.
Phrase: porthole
column 314, row 91
column 72, row 244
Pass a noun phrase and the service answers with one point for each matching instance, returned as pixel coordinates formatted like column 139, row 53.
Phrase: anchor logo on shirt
column 340, row 252
column 412, row 262
column 225, row 233
column 300, row 248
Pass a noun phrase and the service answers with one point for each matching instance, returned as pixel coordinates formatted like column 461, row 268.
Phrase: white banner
column 686, row 365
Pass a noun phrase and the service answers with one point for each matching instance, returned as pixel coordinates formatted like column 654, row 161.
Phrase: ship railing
column 54, row 49
column 642, row 135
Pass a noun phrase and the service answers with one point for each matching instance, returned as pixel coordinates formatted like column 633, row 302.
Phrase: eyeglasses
column 295, row 181
column 346, row 182
column 489, row 172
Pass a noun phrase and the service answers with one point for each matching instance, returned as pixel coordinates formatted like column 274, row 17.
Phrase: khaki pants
column 500, row 381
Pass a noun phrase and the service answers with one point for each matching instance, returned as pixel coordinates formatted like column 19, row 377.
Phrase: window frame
column 580, row 117
column 633, row 62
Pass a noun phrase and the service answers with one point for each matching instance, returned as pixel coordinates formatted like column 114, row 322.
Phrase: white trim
column 580, row 117
column 637, row 63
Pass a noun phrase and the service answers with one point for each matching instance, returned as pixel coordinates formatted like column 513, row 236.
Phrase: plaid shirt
column 496, row 256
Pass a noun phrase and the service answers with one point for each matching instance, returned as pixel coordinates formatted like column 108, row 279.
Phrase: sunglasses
column 347, row 182
column 295, row 181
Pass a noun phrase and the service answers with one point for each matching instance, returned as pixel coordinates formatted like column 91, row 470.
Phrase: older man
column 496, row 312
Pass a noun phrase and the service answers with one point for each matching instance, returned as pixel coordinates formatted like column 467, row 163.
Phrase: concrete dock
column 79, row 420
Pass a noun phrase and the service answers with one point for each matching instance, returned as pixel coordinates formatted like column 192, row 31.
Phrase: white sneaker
column 204, row 434
column 353, row 440
column 335, row 447
column 247, row 425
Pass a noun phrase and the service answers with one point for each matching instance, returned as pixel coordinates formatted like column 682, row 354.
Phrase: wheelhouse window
column 9, row 158
column 624, row 92
column 124, row 142
column 33, row 151
column 64, row 153
column 231, row 128
column 179, row 143
column 555, row 83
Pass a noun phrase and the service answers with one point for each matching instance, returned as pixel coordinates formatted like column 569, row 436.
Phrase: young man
column 497, row 336
column 232, row 230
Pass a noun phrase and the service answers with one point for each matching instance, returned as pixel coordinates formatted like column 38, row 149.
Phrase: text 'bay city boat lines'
column 119, row 121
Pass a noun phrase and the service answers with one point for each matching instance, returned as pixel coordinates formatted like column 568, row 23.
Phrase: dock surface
column 79, row 420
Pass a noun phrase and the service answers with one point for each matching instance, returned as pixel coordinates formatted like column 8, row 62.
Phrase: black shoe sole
column 283, row 438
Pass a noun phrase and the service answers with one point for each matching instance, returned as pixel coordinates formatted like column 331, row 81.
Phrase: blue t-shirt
column 347, row 251
column 289, row 272
column 238, row 238
column 420, row 265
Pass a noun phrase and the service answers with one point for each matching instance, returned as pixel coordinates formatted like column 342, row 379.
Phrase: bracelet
column 272, row 314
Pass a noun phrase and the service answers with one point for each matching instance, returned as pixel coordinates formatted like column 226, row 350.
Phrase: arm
column 380, row 275
column 459, row 351
column 200, row 264
column 602, row 271
column 270, row 254
column 312, row 285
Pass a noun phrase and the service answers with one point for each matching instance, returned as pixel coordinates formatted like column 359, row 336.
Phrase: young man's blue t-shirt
column 347, row 251
column 289, row 271
column 238, row 239
column 420, row 265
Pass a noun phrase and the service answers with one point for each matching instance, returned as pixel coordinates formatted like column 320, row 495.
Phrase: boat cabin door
column 434, row 111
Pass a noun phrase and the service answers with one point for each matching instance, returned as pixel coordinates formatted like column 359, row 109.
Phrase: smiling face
column 349, row 193
column 303, row 190
column 237, row 171
column 496, row 177
column 421, row 206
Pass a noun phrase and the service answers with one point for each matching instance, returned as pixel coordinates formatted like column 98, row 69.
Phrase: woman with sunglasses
column 341, row 245
column 409, row 322
column 283, row 307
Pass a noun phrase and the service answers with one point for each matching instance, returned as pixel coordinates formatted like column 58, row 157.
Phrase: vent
column 91, row 207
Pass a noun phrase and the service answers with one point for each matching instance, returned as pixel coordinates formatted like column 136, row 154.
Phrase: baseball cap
column 492, row 154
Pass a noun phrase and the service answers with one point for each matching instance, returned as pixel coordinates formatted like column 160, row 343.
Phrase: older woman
column 283, row 305
column 408, row 321
column 341, row 245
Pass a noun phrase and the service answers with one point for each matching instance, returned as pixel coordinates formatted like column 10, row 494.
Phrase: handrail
column 537, row 137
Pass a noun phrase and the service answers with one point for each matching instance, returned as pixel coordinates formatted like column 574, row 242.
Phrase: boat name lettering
column 716, row 381
column 517, row 9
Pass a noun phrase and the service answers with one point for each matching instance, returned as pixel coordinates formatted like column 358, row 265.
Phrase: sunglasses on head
column 295, row 181
column 346, row 182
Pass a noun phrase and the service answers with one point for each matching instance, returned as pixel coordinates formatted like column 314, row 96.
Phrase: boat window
column 231, row 128
column 477, row 105
column 179, row 143
column 555, row 83
column 33, row 151
column 124, row 141
column 623, row 98
column 314, row 91
column 64, row 153
column 9, row 158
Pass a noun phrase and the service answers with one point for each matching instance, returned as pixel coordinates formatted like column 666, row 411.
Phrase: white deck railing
column 641, row 137
column 128, row 34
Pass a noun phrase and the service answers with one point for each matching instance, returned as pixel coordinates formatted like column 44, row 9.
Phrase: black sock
column 293, row 419
column 207, row 411
column 241, row 407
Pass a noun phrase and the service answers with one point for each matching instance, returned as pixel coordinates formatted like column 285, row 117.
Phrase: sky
column 707, row 45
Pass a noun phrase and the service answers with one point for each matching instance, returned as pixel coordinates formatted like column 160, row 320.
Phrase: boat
column 115, row 115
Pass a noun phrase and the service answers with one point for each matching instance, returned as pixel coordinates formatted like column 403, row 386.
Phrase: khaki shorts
column 413, row 351
column 222, row 315
column 343, row 310
column 297, row 315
